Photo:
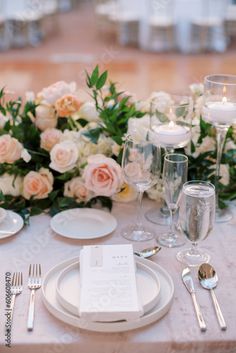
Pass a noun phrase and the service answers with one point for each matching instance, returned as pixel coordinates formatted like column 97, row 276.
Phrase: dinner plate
column 68, row 287
column 83, row 223
column 11, row 225
column 49, row 294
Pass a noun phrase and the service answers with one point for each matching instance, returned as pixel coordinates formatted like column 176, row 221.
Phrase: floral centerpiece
column 57, row 152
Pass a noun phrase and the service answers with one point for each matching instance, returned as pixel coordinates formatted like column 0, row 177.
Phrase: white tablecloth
column 177, row 332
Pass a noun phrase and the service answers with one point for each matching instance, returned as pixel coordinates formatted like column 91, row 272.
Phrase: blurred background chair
column 209, row 27
column 104, row 11
column 161, row 25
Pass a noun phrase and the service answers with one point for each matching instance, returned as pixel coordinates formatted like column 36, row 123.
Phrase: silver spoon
column 209, row 279
column 146, row 253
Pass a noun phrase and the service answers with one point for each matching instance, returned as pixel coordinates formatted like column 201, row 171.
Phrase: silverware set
column 34, row 283
column 208, row 280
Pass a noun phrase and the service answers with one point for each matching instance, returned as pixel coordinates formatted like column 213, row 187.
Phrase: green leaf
column 93, row 134
column 102, row 80
column 94, row 77
column 162, row 117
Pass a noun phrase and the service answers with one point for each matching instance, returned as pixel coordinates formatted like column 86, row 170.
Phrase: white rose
column 45, row 117
column 52, row 93
column 160, row 101
column 208, row 144
column 156, row 192
column 76, row 189
column 197, row 89
column 64, row 156
column 88, row 112
column 139, row 127
column 49, row 138
column 11, row 185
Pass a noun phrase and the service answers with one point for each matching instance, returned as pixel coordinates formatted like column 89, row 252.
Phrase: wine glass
column 220, row 110
column 175, row 171
column 141, row 168
column 171, row 122
column 196, row 216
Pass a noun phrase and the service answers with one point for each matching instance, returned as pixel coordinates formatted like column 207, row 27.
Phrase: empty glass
column 141, row 168
column 175, row 172
column 196, row 217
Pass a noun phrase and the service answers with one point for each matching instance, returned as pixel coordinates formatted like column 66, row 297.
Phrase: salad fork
column 34, row 283
column 16, row 289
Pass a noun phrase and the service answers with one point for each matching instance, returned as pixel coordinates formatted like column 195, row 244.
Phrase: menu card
column 108, row 284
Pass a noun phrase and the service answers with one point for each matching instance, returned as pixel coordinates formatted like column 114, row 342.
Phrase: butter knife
column 188, row 281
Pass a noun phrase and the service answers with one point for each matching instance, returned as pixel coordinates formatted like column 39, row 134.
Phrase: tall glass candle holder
column 220, row 110
column 171, row 122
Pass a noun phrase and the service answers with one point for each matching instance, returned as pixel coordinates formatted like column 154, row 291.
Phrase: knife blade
column 188, row 282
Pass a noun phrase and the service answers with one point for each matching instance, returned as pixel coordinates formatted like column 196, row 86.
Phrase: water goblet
column 175, row 172
column 141, row 167
column 196, row 217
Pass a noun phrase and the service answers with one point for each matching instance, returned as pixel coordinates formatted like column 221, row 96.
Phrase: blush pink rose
column 49, row 138
column 10, row 149
column 64, row 156
column 37, row 185
column 76, row 189
column 67, row 105
column 103, row 175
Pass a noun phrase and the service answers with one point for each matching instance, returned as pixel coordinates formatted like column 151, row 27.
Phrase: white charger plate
column 68, row 287
column 83, row 223
column 11, row 224
column 57, row 310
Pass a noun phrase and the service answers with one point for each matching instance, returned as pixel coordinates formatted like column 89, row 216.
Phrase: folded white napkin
column 108, row 284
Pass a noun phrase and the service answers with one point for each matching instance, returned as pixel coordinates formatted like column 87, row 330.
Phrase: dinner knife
column 188, row 281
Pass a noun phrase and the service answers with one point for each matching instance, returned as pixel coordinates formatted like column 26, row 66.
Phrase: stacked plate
column 61, row 291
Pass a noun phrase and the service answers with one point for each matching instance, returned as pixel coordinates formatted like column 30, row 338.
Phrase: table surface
column 177, row 332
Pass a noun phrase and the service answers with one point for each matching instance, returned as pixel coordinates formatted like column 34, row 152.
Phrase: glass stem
column 193, row 250
column 221, row 132
column 139, row 211
column 172, row 224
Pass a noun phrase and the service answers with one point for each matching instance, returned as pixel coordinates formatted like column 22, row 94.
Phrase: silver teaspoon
column 146, row 253
column 209, row 279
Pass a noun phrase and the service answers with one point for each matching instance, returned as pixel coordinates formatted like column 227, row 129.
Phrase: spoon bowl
column 147, row 253
column 208, row 279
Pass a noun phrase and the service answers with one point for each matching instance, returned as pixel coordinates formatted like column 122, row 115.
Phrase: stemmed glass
column 175, row 172
column 196, row 217
column 141, row 167
column 220, row 110
column 171, row 122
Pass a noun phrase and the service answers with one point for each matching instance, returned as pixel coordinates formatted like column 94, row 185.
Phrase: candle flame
column 171, row 124
column 224, row 91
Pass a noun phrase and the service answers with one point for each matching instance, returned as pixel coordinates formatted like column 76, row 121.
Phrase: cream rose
column 67, row 105
column 52, row 93
column 11, row 185
column 38, row 185
column 49, row 138
column 139, row 127
column 64, row 156
column 103, row 175
column 76, row 189
column 88, row 112
column 127, row 194
column 10, row 149
column 45, row 117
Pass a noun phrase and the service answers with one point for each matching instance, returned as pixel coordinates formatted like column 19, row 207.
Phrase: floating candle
column 172, row 135
column 220, row 112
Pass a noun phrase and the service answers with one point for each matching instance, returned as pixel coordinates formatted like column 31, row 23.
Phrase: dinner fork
column 16, row 288
column 34, row 283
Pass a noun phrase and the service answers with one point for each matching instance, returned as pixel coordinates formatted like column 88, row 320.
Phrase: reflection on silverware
column 188, row 281
column 209, row 279
column 34, row 283
column 146, row 253
column 16, row 288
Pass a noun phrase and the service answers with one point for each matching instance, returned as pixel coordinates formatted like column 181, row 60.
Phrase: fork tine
column 30, row 270
column 21, row 278
column 13, row 279
column 40, row 272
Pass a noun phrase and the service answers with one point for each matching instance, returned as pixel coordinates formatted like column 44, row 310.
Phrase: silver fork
column 34, row 283
column 16, row 288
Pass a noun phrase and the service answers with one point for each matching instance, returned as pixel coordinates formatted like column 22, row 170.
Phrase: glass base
column 158, row 216
column 133, row 233
column 192, row 258
column 223, row 216
column 170, row 241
